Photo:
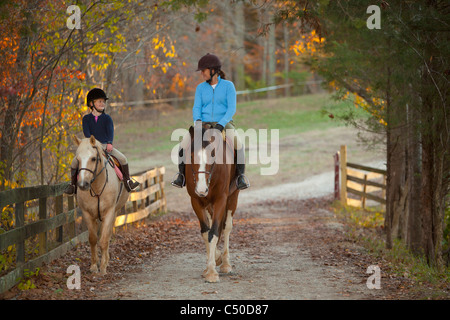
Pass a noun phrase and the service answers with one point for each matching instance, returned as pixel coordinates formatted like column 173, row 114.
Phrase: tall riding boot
column 180, row 180
column 72, row 187
column 129, row 184
column 241, row 180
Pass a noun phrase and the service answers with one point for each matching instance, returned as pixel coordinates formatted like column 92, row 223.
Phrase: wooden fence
column 365, row 182
column 47, row 224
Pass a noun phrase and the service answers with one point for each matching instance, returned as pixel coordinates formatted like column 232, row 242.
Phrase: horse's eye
column 93, row 159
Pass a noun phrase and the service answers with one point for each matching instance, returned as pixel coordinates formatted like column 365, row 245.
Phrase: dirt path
column 280, row 249
column 272, row 253
column 284, row 245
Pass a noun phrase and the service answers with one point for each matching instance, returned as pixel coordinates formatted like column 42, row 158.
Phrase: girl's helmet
column 94, row 94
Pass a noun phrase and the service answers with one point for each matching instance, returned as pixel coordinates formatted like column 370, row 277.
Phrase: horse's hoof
column 225, row 268
column 102, row 273
column 94, row 269
column 212, row 277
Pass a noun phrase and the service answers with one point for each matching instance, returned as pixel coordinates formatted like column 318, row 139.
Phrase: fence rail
column 365, row 182
column 190, row 98
column 64, row 226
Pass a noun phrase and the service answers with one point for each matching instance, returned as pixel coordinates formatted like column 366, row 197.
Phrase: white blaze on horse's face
column 201, row 189
column 84, row 176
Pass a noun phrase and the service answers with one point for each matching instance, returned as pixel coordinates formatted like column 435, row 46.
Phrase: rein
column 95, row 175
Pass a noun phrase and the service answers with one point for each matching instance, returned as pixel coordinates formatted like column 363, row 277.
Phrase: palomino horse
column 214, row 196
column 100, row 194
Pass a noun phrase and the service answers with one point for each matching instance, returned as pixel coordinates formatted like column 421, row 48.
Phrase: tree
column 399, row 74
column 47, row 69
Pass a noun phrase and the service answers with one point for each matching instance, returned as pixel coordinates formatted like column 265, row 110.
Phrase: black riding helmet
column 95, row 94
column 211, row 62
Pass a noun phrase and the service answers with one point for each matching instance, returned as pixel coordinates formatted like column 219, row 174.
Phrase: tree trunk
column 414, row 223
column 239, row 29
column 397, row 183
column 432, row 195
column 287, row 90
column 272, row 60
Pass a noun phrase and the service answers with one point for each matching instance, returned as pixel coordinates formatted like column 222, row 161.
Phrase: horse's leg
column 210, row 213
column 231, row 208
column 226, row 266
column 213, row 238
column 203, row 219
column 106, row 232
column 93, row 228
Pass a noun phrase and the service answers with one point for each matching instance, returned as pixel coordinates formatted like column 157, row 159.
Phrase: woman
column 100, row 125
column 215, row 103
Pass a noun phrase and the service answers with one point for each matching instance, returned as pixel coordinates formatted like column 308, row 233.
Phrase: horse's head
column 203, row 152
column 90, row 161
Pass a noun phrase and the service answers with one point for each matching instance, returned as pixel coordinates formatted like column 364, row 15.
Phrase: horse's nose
column 202, row 194
column 83, row 185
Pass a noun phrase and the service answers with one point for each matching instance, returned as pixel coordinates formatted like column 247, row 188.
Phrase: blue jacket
column 215, row 105
column 102, row 130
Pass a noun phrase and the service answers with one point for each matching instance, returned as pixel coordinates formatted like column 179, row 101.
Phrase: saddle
column 208, row 125
column 113, row 162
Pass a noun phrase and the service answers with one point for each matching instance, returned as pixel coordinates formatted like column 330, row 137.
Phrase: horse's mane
column 86, row 143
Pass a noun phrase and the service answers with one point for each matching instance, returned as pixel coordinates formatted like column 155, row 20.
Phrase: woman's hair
column 221, row 74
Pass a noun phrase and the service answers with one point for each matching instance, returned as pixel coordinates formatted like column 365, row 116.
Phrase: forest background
column 143, row 50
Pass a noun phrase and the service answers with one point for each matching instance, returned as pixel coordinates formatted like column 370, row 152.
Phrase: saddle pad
column 116, row 166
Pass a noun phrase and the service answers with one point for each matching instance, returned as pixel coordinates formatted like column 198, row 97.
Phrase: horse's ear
column 76, row 140
column 191, row 131
column 92, row 141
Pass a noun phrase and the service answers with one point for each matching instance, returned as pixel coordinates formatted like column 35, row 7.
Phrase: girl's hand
column 109, row 147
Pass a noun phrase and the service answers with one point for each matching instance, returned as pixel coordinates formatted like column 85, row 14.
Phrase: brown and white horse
column 100, row 195
column 214, row 196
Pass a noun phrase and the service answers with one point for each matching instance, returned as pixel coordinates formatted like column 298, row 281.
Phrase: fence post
column 336, row 176
column 19, row 212
column 364, row 192
column 72, row 225
column 343, row 163
column 59, row 209
column 43, row 235
column 161, row 186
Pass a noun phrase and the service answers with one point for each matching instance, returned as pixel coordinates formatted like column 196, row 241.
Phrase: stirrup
column 246, row 181
column 130, row 181
column 173, row 180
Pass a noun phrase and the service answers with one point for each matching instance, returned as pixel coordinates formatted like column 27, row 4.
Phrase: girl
column 215, row 103
column 100, row 125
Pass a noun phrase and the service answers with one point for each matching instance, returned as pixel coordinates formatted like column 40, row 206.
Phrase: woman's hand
column 109, row 147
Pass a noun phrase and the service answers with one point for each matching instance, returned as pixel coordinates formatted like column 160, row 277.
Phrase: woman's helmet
column 95, row 94
column 209, row 61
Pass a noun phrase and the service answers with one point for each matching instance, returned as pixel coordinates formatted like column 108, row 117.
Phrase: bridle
column 95, row 175
column 205, row 172
column 209, row 173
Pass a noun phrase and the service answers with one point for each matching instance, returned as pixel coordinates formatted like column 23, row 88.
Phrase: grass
column 365, row 226
column 308, row 137
column 289, row 115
